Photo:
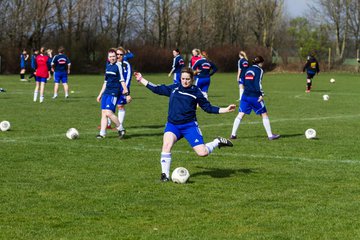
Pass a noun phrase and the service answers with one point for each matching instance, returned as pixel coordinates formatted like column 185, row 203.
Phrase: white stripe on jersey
column 187, row 94
column 111, row 73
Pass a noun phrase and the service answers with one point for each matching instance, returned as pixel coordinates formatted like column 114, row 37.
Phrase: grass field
column 292, row 188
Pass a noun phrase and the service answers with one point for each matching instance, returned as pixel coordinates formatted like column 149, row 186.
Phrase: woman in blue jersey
column 252, row 98
column 127, row 74
column 23, row 64
column 110, row 92
column 181, row 121
column 311, row 67
column 243, row 64
column 204, row 69
column 178, row 64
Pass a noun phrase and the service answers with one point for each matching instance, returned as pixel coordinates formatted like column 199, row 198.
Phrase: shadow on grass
column 320, row 90
column 291, row 135
column 128, row 136
column 222, row 173
column 148, row 126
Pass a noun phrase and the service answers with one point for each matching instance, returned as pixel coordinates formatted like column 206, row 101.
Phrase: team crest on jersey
column 181, row 62
column 249, row 75
column 62, row 61
column 245, row 64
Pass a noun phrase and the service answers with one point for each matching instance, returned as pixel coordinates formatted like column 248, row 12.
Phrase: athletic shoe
column 121, row 133
column 233, row 137
column 2, row 90
column 223, row 142
column 23, row 80
column 164, row 178
column 100, row 136
column 54, row 97
column 307, row 91
column 274, row 136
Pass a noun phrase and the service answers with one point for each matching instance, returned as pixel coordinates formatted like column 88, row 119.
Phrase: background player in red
column 42, row 74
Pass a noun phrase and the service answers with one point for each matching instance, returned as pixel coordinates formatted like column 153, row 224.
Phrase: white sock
column 236, row 125
column 165, row 162
column 102, row 133
column 212, row 145
column 35, row 96
column 109, row 122
column 66, row 94
column 241, row 93
column 41, row 99
column 121, row 116
column 266, row 123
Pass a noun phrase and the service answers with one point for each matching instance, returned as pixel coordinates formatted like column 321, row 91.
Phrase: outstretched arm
column 228, row 109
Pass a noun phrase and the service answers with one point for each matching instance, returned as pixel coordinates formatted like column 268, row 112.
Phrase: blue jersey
column 243, row 64
column 183, row 102
column 252, row 81
column 33, row 61
column 205, row 67
column 128, row 56
column 49, row 63
column 60, row 63
column 23, row 62
column 178, row 64
column 113, row 79
column 127, row 72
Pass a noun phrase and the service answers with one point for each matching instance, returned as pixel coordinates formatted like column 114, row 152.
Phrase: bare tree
column 336, row 14
column 354, row 21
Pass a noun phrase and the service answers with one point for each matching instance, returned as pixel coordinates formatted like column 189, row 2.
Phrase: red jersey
column 194, row 59
column 42, row 68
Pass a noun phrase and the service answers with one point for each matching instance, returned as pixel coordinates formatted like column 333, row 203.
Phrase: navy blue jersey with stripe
column 60, row 63
column 183, row 102
column 113, row 79
column 243, row 64
column 252, row 81
column 205, row 67
column 178, row 64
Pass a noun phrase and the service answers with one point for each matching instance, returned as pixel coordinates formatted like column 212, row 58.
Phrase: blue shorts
column 60, row 76
column 251, row 103
column 177, row 77
column 108, row 102
column 190, row 131
column 203, row 84
column 310, row 75
column 121, row 100
column 41, row 79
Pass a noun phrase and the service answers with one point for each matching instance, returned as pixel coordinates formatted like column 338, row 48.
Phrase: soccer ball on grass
column 180, row 175
column 310, row 133
column 326, row 97
column 5, row 125
column 72, row 133
column 332, row 80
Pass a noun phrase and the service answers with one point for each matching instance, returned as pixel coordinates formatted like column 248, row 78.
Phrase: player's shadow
column 291, row 135
column 135, row 135
column 149, row 126
column 320, row 90
column 222, row 173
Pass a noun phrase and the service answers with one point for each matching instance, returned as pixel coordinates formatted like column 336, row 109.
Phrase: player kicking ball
column 181, row 121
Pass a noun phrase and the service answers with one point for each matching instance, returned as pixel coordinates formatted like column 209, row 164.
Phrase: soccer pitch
column 291, row 188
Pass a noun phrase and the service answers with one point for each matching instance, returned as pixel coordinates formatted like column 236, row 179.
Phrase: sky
column 296, row 8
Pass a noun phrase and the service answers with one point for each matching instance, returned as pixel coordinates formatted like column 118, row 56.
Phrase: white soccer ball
column 310, row 133
column 5, row 125
column 326, row 97
column 180, row 175
column 72, row 133
column 332, row 80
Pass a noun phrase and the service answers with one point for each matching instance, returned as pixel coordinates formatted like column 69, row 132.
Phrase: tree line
column 151, row 28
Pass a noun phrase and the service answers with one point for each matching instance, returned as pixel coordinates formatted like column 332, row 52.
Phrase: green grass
column 292, row 188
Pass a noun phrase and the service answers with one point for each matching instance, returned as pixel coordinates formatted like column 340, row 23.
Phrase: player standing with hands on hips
column 252, row 98
column 110, row 92
column 181, row 121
